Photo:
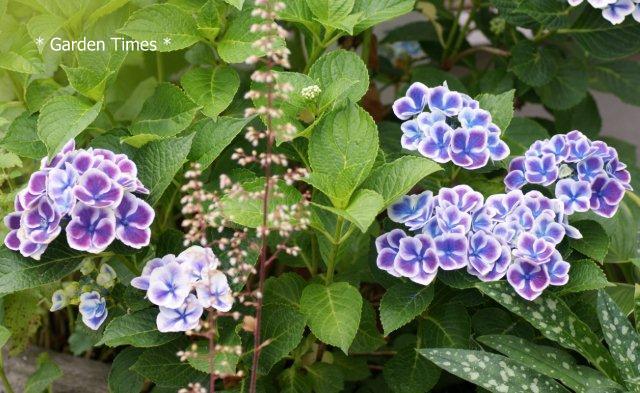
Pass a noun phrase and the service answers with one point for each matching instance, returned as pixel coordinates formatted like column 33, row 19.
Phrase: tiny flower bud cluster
column 455, row 129
column 512, row 234
column 310, row 92
column 615, row 11
column 94, row 189
column 170, row 282
column 88, row 293
column 588, row 174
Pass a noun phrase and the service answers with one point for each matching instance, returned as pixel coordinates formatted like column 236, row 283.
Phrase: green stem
column 331, row 263
column 3, row 376
column 453, row 32
column 366, row 46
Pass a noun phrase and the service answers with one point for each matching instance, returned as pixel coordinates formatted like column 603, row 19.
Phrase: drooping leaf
column 121, row 378
column 402, row 303
column 138, row 329
column 594, row 242
column 212, row 136
column 211, row 88
column 22, row 138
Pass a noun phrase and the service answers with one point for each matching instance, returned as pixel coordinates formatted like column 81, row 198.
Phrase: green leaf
column 293, row 381
column 162, row 366
column 212, row 136
column 23, row 317
column 329, row 11
column 549, row 361
column 18, row 273
column 495, row 320
column 500, row 106
column 376, row 12
column 521, row 133
column 409, row 372
column 121, row 379
column 249, row 212
column 585, row 275
column 368, row 338
column 167, row 112
column 402, row 303
column 95, row 71
column 601, row 39
column 567, row 88
column 40, row 90
column 284, row 291
column 130, row 109
column 46, row 373
column 20, row 53
column 333, row 312
column 236, row 3
column 493, row 372
column 325, row 378
column 108, row 8
column 584, row 117
column 21, row 138
column 532, row 64
column 62, row 118
column 159, row 161
column 566, row 329
column 236, row 44
column 159, row 21
column 348, row 66
column 5, row 334
column 394, row 179
column 137, row 329
column 549, row 13
column 223, row 362
column 621, row 78
column 362, row 209
column 594, row 243
column 140, row 140
column 447, row 325
column 211, row 88
column 342, row 150
column 622, row 338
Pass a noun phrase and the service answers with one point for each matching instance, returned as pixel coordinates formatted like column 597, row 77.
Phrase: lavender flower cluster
column 94, row 188
column 615, row 11
column 588, row 174
column 511, row 234
column 170, row 281
column 454, row 129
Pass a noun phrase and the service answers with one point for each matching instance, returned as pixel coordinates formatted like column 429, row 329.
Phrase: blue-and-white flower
column 93, row 309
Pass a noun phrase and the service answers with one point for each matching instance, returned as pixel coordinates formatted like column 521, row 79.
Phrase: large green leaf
column 368, row 338
column 556, row 321
column 362, row 209
column 376, row 12
column 402, row 303
column 409, row 372
column 500, row 106
column 22, row 137
column 330, row 11
column 534, row 65
column 585, row 275
column 211, row 88
column 325, row 378
column 584, row 117
column 46, row 373
column 137, row 329
column 567, row 88
column 212, row 136
column 167, row 112
column 594, row 243
column 621, row 78
column 158, row 22
column 551, row 14
column 159, row 161
column 162, row 366
column 493, row 372
column 342, row 150
column 599, row 38
column 622, row 338
column 18, row 273
column 236, row 44
column 333, row 312
column 521, row 133
column 447, row 325
column 394, row 179
column 62, row 118
column 121, row 379
column 344, row 65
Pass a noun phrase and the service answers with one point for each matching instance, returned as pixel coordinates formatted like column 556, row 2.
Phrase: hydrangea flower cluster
column 170, row 282
column 615, row 11
column 454, row 129
column 511, row 234
column 90, row 189
column 588, row 174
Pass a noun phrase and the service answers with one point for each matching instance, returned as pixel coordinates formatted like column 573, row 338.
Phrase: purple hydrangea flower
column 412, row 103
column 441, row 99
column 617, row 170
column 484, row 251
column 412, row 210
column 169, row 285
column 133, row 218
column 36, row 189
column 528, row 279
column 533, row 249
column 461, row 196
column 60, row 188
column 606, row 195
column 452, row 220
column 541, row 170
column 558, row 270
column 142, row 282
column 498, row 267
column 590, row 168
column 182, row 318
column 498, row 149
column 412, row 135
column 91, row 229
column 470, row 118
column 12, row 221
column 97, row 189
column 387, row 246
column 196, row 259
column 469, row 148
column 515, row 178
column 417, row 259
column 214, row 291
column 438, row 143
column 452, row 250
column 575, row 195
column 618, row 11
column 545, row 227
column 93, row 309
column 41, row 224
column 502, row 205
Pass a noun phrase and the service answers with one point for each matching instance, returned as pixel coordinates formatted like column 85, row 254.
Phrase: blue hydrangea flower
column 498, row 149
column 12, row 221
column 214, row 291
column 387, row 246
column 412, row 135
column 437, row 144
column 142, row 282
column 618, row 11
column 461, row 196
column 590, row 168
column 93, row 309
column 412, row 103
column 417, row 259
column 484, row 251
column 532, row 249
column 606, row 195
column 441, row 99
column 36, row 189
column 469, row 148
column 617, row 170
column 470, row 118
column 558, row 146
column 452, row 251
column 498, row 267
column 60, row 188
column 41, row 224
column 528, row 279
column 545, row 227
column 133, row 218
column 558, row 270
column 515, row 178
column 541, row 170
column 58, row 300
column 575, row 195
column 182, row 318
column 452, row 220
column 97, row 189
column 169, row 285
column 91, row 229
column 196, row 260
column 412, row 210
column 502, row 205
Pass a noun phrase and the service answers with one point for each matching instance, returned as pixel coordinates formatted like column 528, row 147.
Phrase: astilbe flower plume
column 615, row 11
column 91, row 192
column 513, row 235
column 454, row 128
column 588, row 175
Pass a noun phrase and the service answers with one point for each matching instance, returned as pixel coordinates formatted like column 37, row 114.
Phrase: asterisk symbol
column 39, row 41
column 166, row 41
